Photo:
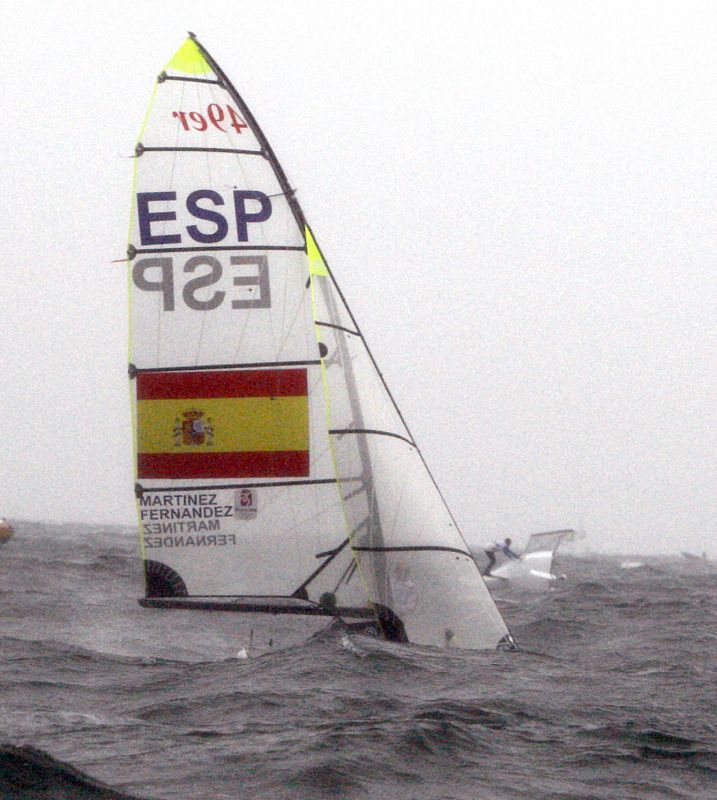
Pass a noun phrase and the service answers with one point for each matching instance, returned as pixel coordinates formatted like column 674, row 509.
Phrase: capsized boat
column 534, row 570
column 631, row 564
column 694, row 556
column 6, row 531
column 696, row 563
column 275, row 474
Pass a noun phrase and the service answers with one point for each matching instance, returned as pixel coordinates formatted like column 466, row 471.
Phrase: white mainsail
column 274, row 470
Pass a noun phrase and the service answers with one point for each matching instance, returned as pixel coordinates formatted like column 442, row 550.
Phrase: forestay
column 274, row 470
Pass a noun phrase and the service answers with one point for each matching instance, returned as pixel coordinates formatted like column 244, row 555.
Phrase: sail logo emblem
column 193, row 430
column 214, row 117
column 246, row 505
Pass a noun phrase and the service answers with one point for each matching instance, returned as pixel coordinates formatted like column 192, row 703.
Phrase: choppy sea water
column 613, row 695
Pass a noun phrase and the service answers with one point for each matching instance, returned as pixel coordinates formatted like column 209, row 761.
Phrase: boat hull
column 532, row 572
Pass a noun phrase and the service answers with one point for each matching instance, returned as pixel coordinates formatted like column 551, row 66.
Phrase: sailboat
column 534, row 570
column 275, row 474
column 693, row 556
column 696, row 564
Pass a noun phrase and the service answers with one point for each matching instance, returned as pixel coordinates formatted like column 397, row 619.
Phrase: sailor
column 491, row 550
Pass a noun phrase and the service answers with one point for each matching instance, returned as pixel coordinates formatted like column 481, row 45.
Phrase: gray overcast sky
column 517, row 199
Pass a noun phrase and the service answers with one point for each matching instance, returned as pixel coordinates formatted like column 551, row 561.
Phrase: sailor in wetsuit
column 491, row 550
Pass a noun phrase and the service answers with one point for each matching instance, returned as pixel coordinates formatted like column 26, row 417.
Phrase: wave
column 333, row 780
column 17, row 648
column 656, row 744
column 550, row 629
column 27, row 773
column 587, row 591
column 635, row 744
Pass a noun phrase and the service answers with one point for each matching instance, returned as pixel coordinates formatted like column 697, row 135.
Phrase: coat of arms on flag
column 193, row 429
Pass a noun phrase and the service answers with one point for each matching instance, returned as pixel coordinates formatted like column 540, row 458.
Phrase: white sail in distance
column 274, row 470
column 548, row 541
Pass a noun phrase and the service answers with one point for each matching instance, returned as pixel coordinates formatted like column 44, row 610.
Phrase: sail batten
column 164, row 77
column 244, row 485
column 141, row 150
column 217, row 249
column 200, row 367
column 412, row 548
column 265, row 435
column 338, row 328
column 373, row 432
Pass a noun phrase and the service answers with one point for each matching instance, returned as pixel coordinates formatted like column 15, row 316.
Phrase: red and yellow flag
column 223, row 424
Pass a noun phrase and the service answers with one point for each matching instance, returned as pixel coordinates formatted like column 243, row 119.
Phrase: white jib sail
column 272, row 462
column 548, row 541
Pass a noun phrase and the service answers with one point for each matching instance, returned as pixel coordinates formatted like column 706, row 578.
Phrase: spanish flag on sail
column 223, row 424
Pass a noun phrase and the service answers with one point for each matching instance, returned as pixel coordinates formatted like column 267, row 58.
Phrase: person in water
column 491, row 550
